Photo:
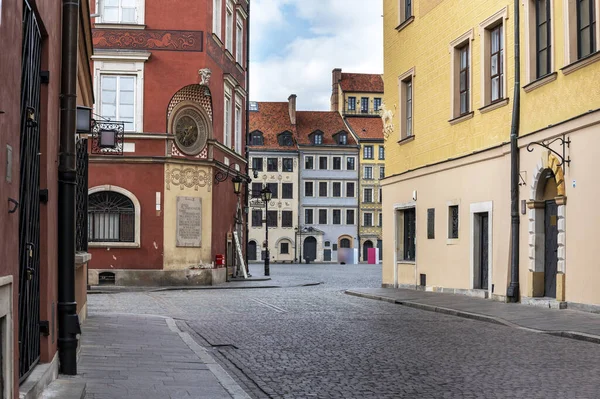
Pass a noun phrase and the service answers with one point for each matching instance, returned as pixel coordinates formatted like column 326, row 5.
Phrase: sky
column 295, row 44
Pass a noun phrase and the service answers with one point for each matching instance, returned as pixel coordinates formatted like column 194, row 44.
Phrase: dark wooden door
column 380, row 246
column 483, row 251
column 310, row 248
column 327, row 255
column 366, row 246
column 550, row 249
column 251, row 250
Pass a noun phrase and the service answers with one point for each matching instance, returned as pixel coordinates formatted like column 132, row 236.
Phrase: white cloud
column 322, row 35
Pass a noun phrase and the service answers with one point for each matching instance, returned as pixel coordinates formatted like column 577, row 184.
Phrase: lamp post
column 237, row 189
column 266, row 196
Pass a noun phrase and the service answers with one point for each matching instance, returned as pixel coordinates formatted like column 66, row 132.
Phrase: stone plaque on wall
column 189, row 221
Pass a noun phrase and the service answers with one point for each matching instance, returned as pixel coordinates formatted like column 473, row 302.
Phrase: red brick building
column 163, row 207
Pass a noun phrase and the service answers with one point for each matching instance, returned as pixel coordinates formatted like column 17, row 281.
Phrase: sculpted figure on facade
column 204, row 76
column 388, row 120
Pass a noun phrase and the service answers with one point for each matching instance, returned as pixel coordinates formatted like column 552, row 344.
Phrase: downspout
column 246, row 193
column 513, row 288
column 68, row 321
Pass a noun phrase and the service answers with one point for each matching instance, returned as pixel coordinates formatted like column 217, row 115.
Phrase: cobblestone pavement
column 316, row 342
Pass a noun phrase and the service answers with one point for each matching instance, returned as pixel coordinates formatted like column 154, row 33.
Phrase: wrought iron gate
column 29, row 196
column 81, row 200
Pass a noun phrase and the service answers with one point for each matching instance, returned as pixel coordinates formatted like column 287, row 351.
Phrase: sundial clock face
column 190, row 131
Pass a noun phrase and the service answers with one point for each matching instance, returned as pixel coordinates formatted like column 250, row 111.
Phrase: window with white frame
column 406, row 89
column 368, row 195
column 229, row 27
column 121, row 11
column 239, row 40
column 368, row 172
column 117, row 99
column 493, row 34
column 308, row 216
column 238, row 126
column 227, row 120
column 349, row 216
column 405, row 234
column 217, row 12
column 367, row 219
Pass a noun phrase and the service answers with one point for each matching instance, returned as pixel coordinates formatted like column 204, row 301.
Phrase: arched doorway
column 344, row 243
column 251, row 250
column 310, row 248
column 366, row 246
column 550, row 234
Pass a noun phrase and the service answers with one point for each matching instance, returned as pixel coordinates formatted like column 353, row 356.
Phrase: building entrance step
column 543, row 302
column 65, row 388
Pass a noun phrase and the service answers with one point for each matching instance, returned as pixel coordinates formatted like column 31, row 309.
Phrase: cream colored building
column 449, row 78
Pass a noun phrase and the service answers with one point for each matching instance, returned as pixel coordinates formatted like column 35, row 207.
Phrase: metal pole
column 267, row 256
column 68, row 321
column 513, row 288
column 246, row 192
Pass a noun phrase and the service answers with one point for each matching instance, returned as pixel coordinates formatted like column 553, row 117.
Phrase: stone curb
column 206, row 288
column 479, row 317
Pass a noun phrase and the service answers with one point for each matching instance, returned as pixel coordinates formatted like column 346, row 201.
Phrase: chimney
column 336, row 77
column 292, row 108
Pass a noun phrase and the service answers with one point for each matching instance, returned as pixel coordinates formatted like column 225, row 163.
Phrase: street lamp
column 237, row 184
column 266, row 196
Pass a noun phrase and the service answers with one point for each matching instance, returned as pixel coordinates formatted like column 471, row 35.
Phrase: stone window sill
column 404, row 24
column 406, row 262
column 113, row 245
column 217, row 39
column 493, row 106
column 581, row 63
column 461, row 118
column 540, row 82
column 406, row 139
column 452, row 241
column 114, row 25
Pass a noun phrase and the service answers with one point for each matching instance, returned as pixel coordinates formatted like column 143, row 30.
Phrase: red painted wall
column 144, row 181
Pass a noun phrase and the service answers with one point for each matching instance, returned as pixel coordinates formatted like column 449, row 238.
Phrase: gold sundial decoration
column 190, row 131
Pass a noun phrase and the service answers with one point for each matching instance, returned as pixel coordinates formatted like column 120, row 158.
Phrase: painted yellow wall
column 374, row 183
column 177, row 258
column 425, row 45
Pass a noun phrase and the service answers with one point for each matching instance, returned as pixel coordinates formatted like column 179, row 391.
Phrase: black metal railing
column 81, row 217
column 362, row 112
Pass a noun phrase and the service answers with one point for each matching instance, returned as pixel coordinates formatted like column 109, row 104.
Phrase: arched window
column 111, row 217
column 344, row 243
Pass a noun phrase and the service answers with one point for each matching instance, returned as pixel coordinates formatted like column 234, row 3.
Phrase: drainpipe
column 68, row 321
column 246, row 193
column 513, row 288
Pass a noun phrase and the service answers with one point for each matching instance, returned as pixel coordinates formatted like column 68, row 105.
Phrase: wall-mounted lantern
column 84, row 120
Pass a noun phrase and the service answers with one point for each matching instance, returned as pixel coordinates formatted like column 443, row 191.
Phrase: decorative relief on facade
column 387, row 115
column 148, row 39
column 205, row 74
column 194, row 93
column 190, row 177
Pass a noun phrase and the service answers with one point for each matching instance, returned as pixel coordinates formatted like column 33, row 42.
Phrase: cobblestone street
column 305, row 341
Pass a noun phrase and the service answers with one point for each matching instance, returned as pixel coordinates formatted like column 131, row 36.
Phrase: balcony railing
column 359, row 112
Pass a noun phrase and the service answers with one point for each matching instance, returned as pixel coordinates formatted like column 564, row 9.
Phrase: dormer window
column 316, row 137
column 285, row 139
column 256, row 138
column 341, row 138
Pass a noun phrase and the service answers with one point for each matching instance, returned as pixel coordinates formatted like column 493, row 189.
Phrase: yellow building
column 358, row 98
column 449, row 77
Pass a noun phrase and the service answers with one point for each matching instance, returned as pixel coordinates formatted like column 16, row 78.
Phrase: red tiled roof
column 329, row 122
column 366, row 128
column 362, row 82
column 271, row 119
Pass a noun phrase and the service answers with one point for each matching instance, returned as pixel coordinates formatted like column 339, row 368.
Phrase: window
column 380, row 196
column 407, row 9
column 380, row 219
column 350, row 189
column 453, row 221
column 351, row 103
column 111, row 217
column 337, row 163
column 308, row 189
column 272, row 165
column 493, row 88
column 350, row 163
column 431, row 223
column 334, row 247
column 117, row 94
column 543, row 34
column 229, row 28
column 284, row 248
column 460, row 50
column 367, row 219
column 286, row 219
column 381, row 152
column 287, row 190
column 322, row 189
column 382, row 172
column 368, row 172
column 337, row 216
column 288, row 164
column 317, row 138
column 308, row 216
column 496, row 63
column 256, row 138
column 586, row 28
column 364, row 105
column 408, row 106
column 368, row 195
column 238, row 127
column 327, row 243
column 272, row 218
column 405, row 87
column 368, row 152
column 285, row 139
column 344, row 243
column 463, row 78
column 336, row 188
column 256, row 189
column 257, row 218
column 376, row 103
column 342, row 138
column 349, row 216
column 274, row 189
column 309, row 162
column 322, row 216
column 239, row 40
column 405, row 234
column 323, row 163
column 227, row 123
column 119, row 11
column 257, row 164
column 217, row 12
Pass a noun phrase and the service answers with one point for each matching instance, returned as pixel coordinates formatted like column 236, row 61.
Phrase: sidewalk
column 148, row 357
column 566, row 323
